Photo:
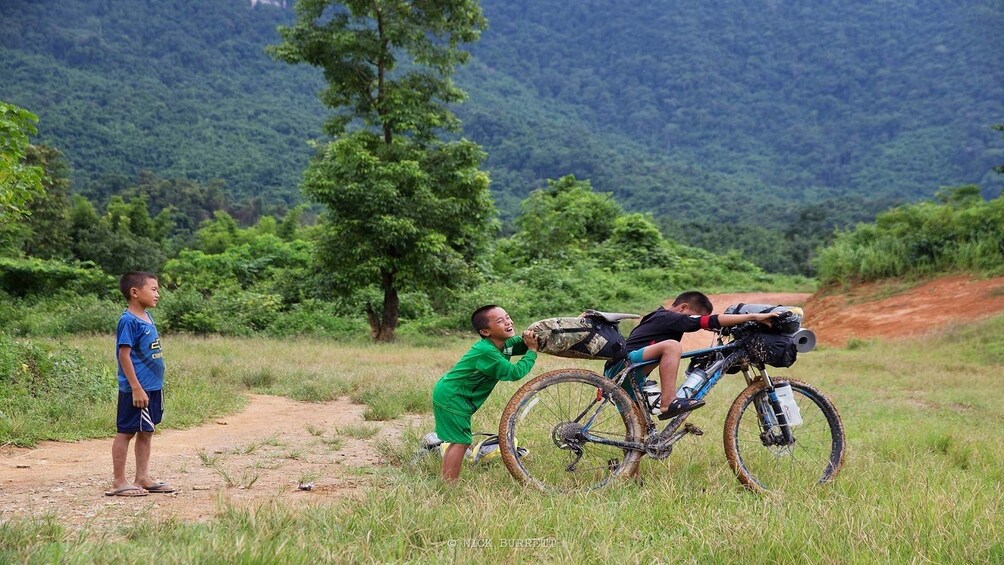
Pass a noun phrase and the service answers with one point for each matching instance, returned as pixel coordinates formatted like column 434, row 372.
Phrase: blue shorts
column 639, row 373
column 132, row 419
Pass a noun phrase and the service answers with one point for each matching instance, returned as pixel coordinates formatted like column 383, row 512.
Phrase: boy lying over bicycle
column 658, row 336
column 462, row 390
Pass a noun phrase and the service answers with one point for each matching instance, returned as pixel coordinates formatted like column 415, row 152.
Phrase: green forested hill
column 783, row 114
column 183, row 89
column 808, row 99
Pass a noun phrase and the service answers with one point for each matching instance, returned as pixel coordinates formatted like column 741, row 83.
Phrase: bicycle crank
column 659, row 447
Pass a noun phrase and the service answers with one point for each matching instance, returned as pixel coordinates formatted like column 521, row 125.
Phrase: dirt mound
column 892, row 310
column 884, row 310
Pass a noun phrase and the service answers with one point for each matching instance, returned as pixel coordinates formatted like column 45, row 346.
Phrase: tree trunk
column 383, row 324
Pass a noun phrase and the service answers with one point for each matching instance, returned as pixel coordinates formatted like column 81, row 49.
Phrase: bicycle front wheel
column 764, row 457
column 551, row 431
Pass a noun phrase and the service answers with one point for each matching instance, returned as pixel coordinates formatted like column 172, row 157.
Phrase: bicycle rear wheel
column 548, row 430
column 761, row 456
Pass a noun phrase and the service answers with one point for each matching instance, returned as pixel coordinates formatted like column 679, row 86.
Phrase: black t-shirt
column 662, row 324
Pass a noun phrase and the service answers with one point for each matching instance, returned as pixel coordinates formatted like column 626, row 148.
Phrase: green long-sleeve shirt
column 466, row 386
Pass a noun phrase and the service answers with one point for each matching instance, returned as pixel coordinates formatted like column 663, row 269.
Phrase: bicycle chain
column 659, row 447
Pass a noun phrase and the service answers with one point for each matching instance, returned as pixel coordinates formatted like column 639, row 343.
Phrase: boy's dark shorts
column 638, row 374
column 132, row 419
column 452, row 427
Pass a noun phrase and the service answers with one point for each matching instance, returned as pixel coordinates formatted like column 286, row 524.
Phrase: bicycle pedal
column 692, row 429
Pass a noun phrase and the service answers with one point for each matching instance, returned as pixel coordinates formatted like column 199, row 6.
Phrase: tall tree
column 566, row 217
column 19, row 182
column 47, row 228
column 405, row 209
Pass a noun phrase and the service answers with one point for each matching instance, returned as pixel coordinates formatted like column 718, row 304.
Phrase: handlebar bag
column 774, row 349
column 584, row 337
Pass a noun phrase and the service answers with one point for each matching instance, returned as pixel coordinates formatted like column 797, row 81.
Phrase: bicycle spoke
column 803, row 463
column 553, row 424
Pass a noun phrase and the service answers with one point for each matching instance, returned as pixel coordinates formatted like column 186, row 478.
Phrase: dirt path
column 262, row 452
column 885, row 310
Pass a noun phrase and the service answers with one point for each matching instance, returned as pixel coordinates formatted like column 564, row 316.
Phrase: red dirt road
column 887, row 310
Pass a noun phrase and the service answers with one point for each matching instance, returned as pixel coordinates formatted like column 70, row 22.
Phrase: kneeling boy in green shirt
column 461, row 391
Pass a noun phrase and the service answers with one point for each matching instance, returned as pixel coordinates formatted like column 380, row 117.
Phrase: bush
column 46, row 393
column 316, row 318
column 61, row 314
column 920, row 240
column 40, row 277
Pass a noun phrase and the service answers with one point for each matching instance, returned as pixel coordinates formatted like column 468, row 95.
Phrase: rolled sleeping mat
column 805, row 340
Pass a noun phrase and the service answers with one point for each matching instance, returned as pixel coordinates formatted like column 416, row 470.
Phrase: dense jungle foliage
column 781, row 122
column 574, row 248
column 960, row 231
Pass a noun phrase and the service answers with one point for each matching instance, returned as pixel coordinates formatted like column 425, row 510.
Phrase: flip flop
column 677, row 408
column 160, row 487
column 129, row 491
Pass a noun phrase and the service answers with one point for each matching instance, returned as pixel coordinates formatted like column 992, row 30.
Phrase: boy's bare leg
column 143, row 441
column 120, row 450
column 453, row 459
column 668, row 352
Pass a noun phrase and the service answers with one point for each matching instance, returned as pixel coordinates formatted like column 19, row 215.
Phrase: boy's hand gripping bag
column 594, row 335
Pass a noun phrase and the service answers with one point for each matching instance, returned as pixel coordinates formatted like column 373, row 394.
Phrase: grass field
column 922, row 481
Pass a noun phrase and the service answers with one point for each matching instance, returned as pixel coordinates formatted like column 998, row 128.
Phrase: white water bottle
column 651, row 390
column 788, row 405
column 695, row 379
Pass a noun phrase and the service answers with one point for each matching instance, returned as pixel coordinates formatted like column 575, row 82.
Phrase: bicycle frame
column 589, row 428
column 721, row 358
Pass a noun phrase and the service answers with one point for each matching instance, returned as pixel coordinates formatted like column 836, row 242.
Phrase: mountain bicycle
column 581, row 430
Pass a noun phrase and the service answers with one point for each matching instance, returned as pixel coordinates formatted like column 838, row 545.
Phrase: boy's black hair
column 696, row 300
column 134, row 279
column 479, row 319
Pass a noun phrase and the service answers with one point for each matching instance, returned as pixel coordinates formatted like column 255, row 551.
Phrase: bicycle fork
column 771, row 415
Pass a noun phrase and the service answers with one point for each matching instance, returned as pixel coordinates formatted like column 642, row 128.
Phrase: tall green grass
column 918, row 240
column 922, row 481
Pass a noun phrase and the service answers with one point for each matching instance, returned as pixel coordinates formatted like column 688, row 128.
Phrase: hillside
column 697, row 113
column 895, row 310
column 837, row 98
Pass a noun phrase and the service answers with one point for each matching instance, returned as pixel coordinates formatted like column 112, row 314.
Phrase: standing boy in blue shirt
column 141, row 380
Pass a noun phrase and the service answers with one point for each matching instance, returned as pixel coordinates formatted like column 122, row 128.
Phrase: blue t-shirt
column 147, row 358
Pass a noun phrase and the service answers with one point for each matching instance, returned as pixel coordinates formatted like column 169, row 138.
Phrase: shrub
column 45, row 393
column 40, row 277
column 920, row 240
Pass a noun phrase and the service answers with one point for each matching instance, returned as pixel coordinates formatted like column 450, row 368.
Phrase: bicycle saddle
column 612, row 317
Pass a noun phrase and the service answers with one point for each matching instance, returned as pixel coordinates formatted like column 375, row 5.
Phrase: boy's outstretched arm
column 499, row 368
column 726, row 320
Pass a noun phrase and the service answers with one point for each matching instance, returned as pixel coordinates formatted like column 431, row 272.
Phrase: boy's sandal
column 160, row 487
column 129, row 491
column 679, row 407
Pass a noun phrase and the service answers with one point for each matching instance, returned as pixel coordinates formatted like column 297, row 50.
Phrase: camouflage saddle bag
column 593, row 335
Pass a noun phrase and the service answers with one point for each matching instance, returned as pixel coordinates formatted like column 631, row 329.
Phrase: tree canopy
column 405, row 210
column 19, row 182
